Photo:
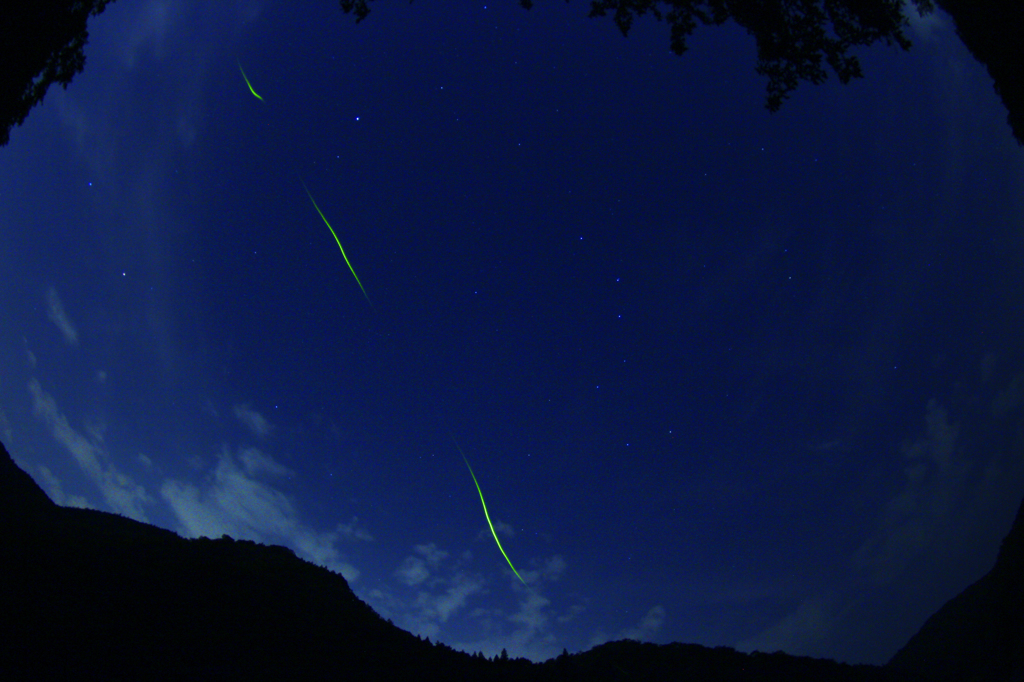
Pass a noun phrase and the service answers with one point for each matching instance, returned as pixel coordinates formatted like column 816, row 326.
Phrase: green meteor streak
column 248, row 83
column 351, row 269
column 486, row 515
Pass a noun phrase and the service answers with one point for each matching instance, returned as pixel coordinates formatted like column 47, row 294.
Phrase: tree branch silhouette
column 41, row 43
column 796, row 39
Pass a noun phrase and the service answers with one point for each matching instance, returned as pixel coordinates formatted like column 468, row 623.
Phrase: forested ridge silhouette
column 93, row 595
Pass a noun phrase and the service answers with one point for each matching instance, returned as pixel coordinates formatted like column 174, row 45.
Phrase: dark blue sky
column 724, row 376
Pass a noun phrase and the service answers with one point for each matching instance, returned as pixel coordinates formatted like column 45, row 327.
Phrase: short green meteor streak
column 351, row 269
column 486, row 515
column 248, row 83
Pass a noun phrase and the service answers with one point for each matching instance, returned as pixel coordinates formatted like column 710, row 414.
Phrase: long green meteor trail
column 486, row 515
column 338, row 241
column 248, row 83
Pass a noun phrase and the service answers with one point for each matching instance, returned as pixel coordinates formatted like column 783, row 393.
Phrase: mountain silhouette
column 92, row 595
column 979, row 634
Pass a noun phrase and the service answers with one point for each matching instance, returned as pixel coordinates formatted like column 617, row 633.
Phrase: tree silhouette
column 41, row 43
column 991, row 30
column 795, row 38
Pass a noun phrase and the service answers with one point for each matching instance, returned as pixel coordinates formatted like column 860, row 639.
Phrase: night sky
column 724, row 376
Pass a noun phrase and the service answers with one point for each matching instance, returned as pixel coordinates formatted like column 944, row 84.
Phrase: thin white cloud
column 648, row 626
column 96, row 430
column 55, row 490
column 643, row 631
column 934, row 483
column 431, row 553
column 353, row 531
column 531, row 635
column 524, row 632
column 500, row 527
column 805, row 630
column 236, row 502
column 528, row 632
column 934, row 480
column 532, row 616
column 147, row 33
column 436, row 598
column 1009, row 399
column 121, row 493
column 571, row 614
column 252, row 419
column 548, row 570
column 504, row 529
column 5, row 427
column 211, row 409
column 460, row 588
column 412, row 571
column 257, row 463
column 943, row 501
column 56, row 314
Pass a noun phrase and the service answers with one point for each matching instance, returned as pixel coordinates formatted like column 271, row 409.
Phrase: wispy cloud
column 547, row 570
column 648, row 626
column 56, row 314
column 354, row 531
column 934, row 479
column 943, row 503
column 55, row 489
column 459, row 589
column 253, row 419
column 121, row 493
column 239, row 500
column 439, row 596
column 442, row 589
column 531, row 630
column 432, row 553
column 258, row 463
column 412, row 571
column 147, row 33
column 5, row 427
column 805, row 630
column 643, row 631
column 531, row 621
column 416, row 568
